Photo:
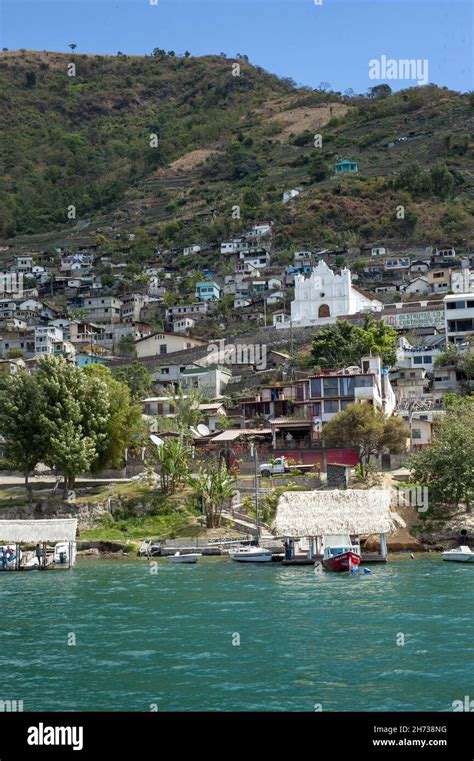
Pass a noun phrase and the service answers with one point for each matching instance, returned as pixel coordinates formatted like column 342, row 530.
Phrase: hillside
column 222, row 141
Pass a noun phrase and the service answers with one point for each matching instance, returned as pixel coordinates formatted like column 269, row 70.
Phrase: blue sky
column 332, row 42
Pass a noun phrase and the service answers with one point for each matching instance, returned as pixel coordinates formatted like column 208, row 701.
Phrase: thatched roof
column 319, row 513
column 57, row 530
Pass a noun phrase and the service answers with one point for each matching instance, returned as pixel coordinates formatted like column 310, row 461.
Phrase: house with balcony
column 459, row 317
column 195, row 310
column 208, row 290
column 103, row 309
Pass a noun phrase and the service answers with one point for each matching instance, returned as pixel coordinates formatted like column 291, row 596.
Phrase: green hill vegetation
column 219, row 142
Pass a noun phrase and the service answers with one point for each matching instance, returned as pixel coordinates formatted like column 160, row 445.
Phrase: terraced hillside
column 222, row 141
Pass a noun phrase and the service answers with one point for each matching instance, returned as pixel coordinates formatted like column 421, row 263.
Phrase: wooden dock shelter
column 40, row 534
column 308, row 516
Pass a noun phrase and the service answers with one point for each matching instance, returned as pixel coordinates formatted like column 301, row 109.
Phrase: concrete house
column 346, row 167
column 159, row 344
column 208, row 290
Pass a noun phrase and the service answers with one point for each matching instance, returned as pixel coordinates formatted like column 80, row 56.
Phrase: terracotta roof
column 367, row 294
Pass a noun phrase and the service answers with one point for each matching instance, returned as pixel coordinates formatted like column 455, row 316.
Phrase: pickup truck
column 280, row 465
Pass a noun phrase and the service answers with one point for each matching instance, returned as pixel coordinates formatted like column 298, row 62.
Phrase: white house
column 189, row 250
column 159, row 344
column 288, row 195
column 418, row 285
column 459, row 317
column 377, row 250
column 462, row 281
column 280, row 319
column 324, row 296
column 183, row 325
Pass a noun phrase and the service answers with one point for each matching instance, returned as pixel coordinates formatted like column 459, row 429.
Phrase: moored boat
column 190, row 557
column 251, row 554
column 340, row 554
column 462, row 554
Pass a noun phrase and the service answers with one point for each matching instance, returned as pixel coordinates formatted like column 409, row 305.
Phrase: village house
column 159, row 344
column 207, row 291
column 195, row 310
column 103, row 309
column 459, row 317
column 184, row 325
column 346, row 167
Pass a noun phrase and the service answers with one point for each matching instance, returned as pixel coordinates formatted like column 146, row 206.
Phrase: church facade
column 324, row 296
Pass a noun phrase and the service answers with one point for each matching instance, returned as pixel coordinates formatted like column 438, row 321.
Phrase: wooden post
column 383, row 545
column 70, row 550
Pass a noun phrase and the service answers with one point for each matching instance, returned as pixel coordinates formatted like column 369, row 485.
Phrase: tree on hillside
column 173, row 457
column 124, row 424
column 137, row 378
column 24, row 440
column 447, row 466
column 343, row 344
column 213, row 484
column 366, row 430
column 126, row 346
column 380, row 91
column 462, row 361
column 318, row 168
column 73, row 416
column 185, row 404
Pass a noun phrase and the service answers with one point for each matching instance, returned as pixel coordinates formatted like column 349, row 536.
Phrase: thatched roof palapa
column 33, row 531
column 319, row 513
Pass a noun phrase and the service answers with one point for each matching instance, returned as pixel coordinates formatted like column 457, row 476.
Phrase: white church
column 324, row 296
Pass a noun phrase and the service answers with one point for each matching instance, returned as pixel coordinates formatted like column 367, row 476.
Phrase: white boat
column 61, row 553
column 191, row 557
column 251, row 555
column 462, row 554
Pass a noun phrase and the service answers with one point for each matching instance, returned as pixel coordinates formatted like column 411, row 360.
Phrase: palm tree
column 173, row 457
column 185, row 406
column 213, row 484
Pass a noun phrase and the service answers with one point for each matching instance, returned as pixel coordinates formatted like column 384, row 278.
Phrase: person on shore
column 39, row 554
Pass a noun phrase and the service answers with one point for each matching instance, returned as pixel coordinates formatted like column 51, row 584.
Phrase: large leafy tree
column 447, row 466
column 124, row 424
column 20, row 406
column 366, row 430
column 137, row 378
column 74, row 413
column 343, row 344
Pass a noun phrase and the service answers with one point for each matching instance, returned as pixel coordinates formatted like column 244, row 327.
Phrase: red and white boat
column 340, row 554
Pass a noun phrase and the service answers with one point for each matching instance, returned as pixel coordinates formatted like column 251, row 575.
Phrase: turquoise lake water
column 305, row 638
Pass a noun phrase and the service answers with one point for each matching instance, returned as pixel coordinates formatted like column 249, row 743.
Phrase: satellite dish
column 156, row 440
column 203, row 430
column 194, row 432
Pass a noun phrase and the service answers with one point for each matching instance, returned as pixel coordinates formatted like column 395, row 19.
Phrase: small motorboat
column 190, row 557
column 340, row 554
column 64, row 553
column 251, row 554
column 462, row 554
